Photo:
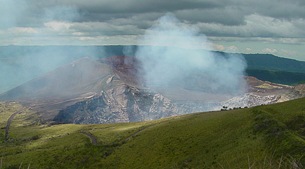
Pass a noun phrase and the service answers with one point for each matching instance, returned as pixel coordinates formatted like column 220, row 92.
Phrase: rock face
column 110, row 91
column 119, row 102
column 300, row 89
column 250, row 100
column 122, row 99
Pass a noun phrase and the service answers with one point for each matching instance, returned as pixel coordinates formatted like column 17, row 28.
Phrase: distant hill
column 275, row 69
column 282, row 77
column 274, row 63
column 266, row 67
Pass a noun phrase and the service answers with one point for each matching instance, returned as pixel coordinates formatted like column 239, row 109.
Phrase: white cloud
column 248, row 50
column 286, row 52
column 270, row 50
column 28, row 30
column 233, row 49
column 218, row 47
column 58, row 25
column 258, row 26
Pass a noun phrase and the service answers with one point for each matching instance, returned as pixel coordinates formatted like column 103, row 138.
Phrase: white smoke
column 177, row 56
column 19, row 64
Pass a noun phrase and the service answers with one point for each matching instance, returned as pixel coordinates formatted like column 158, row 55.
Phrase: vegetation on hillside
column 271, row 62
column 262, row 137
column 281, row 77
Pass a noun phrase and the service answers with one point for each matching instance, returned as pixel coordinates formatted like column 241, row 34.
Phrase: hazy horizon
column 214, row 50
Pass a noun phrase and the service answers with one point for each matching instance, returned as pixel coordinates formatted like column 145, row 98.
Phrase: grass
column 262, row 137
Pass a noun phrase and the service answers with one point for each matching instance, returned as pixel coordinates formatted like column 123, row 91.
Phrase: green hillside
column 261, row 137
column 275, row 69
column 271, row 62
column 281, row 77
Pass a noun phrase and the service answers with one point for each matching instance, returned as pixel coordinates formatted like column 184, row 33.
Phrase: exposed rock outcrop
column 110, row 90
column 119, row 103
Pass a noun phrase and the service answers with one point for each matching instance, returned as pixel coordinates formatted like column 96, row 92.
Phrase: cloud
column 232, row 49
column 248, row 50
column 11, row 11
column 61, row 13
column 218, row 47
column 58, row 26
column 113, row 21
column 225, row 16
column 257, row 26
column 270, row 50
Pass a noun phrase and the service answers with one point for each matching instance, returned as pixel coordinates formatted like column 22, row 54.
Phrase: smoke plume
column 178, row 55
column 19, row 64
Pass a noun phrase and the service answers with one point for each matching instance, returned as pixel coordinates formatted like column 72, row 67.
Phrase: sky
column 239, row 26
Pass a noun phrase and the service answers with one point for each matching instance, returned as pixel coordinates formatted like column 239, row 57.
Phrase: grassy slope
column 228, row 139
column 281, row 77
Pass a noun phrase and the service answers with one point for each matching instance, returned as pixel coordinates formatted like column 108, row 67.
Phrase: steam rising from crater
column 177, row 54
column 19, row 64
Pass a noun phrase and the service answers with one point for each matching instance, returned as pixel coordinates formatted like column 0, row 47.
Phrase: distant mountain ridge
column 254, row 61
column 271, row 62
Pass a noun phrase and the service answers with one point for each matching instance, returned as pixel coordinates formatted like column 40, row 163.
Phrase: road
column 9, row 121
column 92, row 138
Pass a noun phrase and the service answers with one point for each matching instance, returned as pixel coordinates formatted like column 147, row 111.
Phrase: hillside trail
column 92, row 138
column 8, row 124
column 144, row 128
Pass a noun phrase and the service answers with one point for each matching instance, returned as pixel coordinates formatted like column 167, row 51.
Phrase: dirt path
column 92, row 138
column 137, row 132
column 142, row 129
column 9, row 121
